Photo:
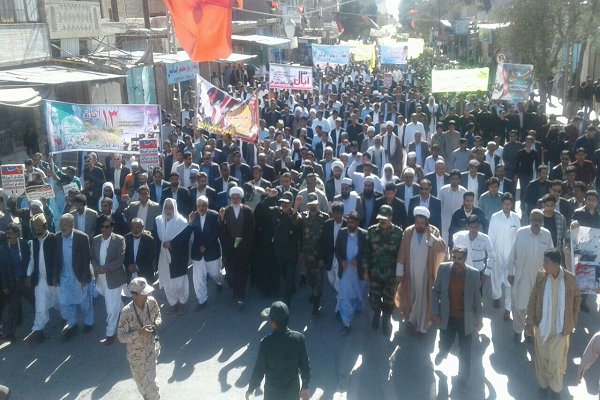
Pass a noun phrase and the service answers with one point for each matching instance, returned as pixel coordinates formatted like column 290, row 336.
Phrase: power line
column 304, row 13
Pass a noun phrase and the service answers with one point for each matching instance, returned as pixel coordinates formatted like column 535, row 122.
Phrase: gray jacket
column 90, row 222
column 440, row 300
column 115, row 255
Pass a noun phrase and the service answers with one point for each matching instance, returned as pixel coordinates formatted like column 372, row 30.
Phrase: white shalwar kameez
column 46, row 296
column 502, row 232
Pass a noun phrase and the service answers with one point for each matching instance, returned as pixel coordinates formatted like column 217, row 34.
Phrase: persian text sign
column 290, row 77
column 181, row 71
column 149, row 154
column 585, row 256
column 394, row 53
column 513, row 82
column 330, row 55
column 39, row 192
column 459, row 80
column 13, row 179
column 100, row 127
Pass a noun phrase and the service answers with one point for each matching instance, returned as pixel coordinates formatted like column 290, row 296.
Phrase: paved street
column 210, row 354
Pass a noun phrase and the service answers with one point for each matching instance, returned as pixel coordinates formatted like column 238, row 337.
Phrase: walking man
column 456, row 308
column 138, row 330
column 552, row 315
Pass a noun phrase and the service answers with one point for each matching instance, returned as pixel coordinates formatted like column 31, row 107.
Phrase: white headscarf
column 115, row 203
column 393, row 179
column 168, row 229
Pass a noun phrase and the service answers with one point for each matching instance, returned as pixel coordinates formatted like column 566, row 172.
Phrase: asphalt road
column 209, row 355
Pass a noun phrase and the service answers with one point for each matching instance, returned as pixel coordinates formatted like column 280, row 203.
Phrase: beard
column 368, row 194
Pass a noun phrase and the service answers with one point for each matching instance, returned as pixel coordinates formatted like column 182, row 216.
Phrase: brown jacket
column 572, row 301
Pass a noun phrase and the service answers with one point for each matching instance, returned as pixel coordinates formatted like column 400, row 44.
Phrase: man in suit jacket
column 473, row 181
column 108, row 254
column 158, row 185
column 179, row 193
column 407, row 189
column 222, row 183
column 145, row 209
column 419, row 144
column 238, row 169
column 185, row 169
column 398, row 208
column 393, row 146
column 257, row 181
column 459, row 217
column 425, row 199
column 349, row 295
column 210, row 168
column 140, row 250
column 438, row 176
column 506, row 185
column 205, row 250
column 268, row 170
column 84, row 217
column 73, row 273
column 203, row 189
column 457, row 311
column 331, row 229
column 118, row 178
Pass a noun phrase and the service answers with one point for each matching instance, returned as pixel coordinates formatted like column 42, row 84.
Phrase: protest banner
column 585, row 256
column 512, row 82
column 39, row 192
column 70, row 186
column 416, row 46
column 243, row 121
column 149, row 154
column 99, row 127
column 459, row 80
column 361, row 52
column 291, row 77
column 13, row 179
column 394, row 53
column 330, row 55
column 181, row 71
column 211, row 106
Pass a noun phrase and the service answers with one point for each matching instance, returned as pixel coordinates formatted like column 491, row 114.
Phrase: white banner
column 330, row 55
column 181, row 71
column 13, row 179
column 290, row 77
column 39, row 192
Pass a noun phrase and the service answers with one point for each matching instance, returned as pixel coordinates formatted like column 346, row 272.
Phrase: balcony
column 18, row 11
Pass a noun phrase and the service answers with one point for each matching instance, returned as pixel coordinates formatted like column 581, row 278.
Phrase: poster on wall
column 99, row 127
column 512, row 82
column 585, row 256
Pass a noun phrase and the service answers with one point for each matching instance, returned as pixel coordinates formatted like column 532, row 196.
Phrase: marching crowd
column 395, row 199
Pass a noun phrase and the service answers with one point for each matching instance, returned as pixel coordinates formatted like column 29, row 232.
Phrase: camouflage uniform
column 142, row 352
column 312, row 234
column 380, row 257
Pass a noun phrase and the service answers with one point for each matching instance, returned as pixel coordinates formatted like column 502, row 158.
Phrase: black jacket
column 327, row 243
column 207, row 237
column 340, row 250
column 145, row 260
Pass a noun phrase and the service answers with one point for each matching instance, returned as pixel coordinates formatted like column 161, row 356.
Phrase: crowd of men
column 367, row 187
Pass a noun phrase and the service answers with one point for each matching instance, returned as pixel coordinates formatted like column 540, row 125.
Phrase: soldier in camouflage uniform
column 312, row 234
column 383, row 242
column 137, row 328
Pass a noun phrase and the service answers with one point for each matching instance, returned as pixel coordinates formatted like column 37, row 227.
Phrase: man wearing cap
column 349, row 248
column 480, row 252
column 137, row 328
column 473, row 181
column 313, row 222
column 411, row 162
column 40, row 274
column 349, row 198
column 333, row 186
column 236, row 226
column 281, row 356
column 383, row 241
column 285, row 224
column 417, row 261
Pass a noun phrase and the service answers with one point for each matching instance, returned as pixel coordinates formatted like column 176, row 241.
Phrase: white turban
column 422, row 211
column 347, row 181
column 36, row 203
column 236, row 190
column 412, row 154
column 337, row 163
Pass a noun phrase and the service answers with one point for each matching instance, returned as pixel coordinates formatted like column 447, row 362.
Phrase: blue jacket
column 207, row 237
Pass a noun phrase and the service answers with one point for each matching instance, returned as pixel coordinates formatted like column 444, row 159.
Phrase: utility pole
column 146, row 12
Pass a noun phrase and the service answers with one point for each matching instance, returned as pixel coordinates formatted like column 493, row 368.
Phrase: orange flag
column 203, row 27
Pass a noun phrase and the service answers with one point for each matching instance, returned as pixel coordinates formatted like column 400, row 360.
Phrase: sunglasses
column 106, row 226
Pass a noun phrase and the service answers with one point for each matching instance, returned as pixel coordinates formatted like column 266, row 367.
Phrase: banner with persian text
column 291, row 77
column 323, row 55
column 512, row 82
column 459, row 80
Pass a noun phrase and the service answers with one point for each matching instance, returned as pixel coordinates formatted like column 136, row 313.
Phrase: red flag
column 340, row 26
column 203, row 27
column 240, row 3
column 412, row 24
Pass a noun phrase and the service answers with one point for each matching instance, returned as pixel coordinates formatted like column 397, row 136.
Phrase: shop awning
column 259, row 39
column 53, row 75
column 20, row 97
column 237, row 57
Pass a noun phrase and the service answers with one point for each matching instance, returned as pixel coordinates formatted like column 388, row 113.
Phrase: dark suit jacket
column 124, row 172
column 180, row 248
column 327, row 243
column 185, row 205
column 121, row 227
column 398, row 212
column 219, row 183
column 132, row 209
column 49, row 250
column 509, row 187
column 319, row 150
column 268, row 173
column 424, row 149
column 115, row 256
column 401, row 187
column 222, row 200
column 145, row 260
column 435, row 210
column 432, row 179
column 464, row 181
column 207, row 237
column 213, row 173
column 80, row 257
column 246, row 172
column 227, row 238
column 330, row 189
column 459, row 222
column 210, row 193
column 340, row 250
column 152, row 187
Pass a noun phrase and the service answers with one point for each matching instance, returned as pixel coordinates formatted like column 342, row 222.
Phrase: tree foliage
column 351, row 17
